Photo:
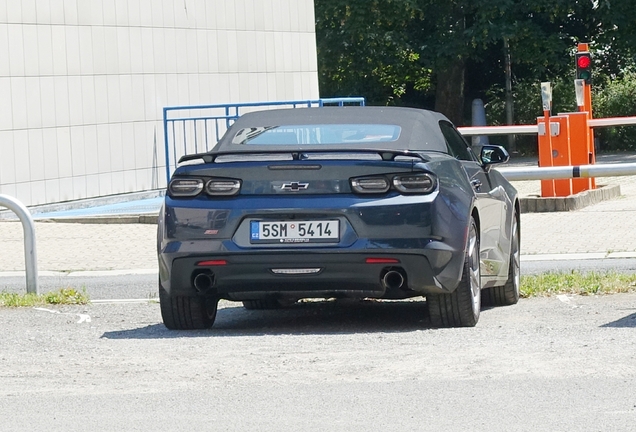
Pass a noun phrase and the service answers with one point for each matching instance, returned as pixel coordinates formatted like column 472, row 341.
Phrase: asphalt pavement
column 68, row 243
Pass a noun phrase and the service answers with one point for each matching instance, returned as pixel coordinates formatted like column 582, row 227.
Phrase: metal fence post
column 30, row 256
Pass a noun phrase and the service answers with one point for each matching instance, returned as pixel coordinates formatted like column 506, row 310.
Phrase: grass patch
column 588, row 283
column 64, row 296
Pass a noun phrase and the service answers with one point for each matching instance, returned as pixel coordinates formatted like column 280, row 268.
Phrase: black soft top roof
column 420, row 128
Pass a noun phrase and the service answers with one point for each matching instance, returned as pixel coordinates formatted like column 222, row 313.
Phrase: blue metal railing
column 197, row 128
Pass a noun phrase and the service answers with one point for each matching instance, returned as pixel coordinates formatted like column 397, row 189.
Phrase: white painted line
column 40, row 273
column 87, row 273
column 621, row 255
column 83, row 318
column 123, row 301
column 564, row 257
column 101, row 273
column 565, row 299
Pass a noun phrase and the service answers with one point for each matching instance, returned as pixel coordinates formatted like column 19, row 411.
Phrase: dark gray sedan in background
column 357, row 202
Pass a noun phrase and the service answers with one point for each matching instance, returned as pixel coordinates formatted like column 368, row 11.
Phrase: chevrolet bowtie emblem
column 294, row 186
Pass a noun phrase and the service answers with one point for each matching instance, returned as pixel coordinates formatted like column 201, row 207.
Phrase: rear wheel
column 508, row 294
column 187, row 313
column 461, row 308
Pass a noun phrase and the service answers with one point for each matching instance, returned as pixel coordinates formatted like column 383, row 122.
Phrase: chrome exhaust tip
column 203, row 282
column 393, row 279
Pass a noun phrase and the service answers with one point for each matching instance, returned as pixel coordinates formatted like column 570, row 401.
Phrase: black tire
column 262, row 304
column 508, row 294
column 462, row 307
column 187, row 313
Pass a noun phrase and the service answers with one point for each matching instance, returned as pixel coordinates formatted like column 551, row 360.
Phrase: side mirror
column 492, row 155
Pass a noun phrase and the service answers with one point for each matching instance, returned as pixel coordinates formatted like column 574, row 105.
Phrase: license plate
column 295, row 231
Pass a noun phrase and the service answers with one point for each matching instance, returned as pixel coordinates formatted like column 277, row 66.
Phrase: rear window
column 317, row 134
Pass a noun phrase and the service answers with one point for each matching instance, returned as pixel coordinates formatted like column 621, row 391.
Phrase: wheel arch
column 518, row 215
column 475, row 214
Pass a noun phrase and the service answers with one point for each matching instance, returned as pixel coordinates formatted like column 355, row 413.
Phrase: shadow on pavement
column 334, row 317
column 628, row 321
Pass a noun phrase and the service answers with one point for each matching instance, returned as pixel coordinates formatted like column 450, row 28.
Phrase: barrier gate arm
column 567, row 172
column 30, row 256
column 534, row 129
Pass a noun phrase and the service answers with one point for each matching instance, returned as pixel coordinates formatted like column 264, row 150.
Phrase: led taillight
column 370, row 185
column 414, row 183
column 185, row 187
column 224, row 187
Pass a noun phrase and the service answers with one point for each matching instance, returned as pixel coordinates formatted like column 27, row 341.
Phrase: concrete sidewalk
column 606, row 229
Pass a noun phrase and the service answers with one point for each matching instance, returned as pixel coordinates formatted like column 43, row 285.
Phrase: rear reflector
column 382, row 261
column 296, row 271
column 212, row 263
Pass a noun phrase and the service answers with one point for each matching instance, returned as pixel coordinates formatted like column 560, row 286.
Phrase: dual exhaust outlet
column 392, row 279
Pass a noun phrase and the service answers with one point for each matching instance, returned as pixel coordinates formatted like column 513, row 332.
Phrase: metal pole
column 166, row 143
column 498, row 130
column 565, row 172
column 612, row 121
column 479, row 119
column 512, row 147
column 30, row 256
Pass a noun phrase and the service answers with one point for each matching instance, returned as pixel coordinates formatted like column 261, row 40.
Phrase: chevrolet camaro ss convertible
column 339, row 202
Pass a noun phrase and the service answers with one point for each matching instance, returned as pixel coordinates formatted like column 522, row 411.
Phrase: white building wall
column 83, row 83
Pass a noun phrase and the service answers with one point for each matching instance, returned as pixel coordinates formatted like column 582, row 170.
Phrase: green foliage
column 364, row 50
column 397, row 51
column 616, row 98
column 527, row 100
column 528, row 106
column 66, row 296
column 591, row 283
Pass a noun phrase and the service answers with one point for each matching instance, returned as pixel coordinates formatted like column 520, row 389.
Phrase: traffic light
column 584, row 66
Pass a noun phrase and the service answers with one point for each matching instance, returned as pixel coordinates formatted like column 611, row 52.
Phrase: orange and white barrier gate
column 565, row 140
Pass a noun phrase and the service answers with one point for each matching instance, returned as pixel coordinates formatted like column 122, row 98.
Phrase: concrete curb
column 583, row 199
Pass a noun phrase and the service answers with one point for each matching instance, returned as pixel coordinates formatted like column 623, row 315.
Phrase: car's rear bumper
column 316, row 273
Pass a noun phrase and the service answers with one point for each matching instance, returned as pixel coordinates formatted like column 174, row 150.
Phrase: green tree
column 364, row 49
column 408, row 51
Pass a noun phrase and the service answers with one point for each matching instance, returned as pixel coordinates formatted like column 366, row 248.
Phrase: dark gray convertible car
column 359, row 202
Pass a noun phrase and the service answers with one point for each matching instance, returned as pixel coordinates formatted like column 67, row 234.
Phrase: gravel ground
column 561, row 363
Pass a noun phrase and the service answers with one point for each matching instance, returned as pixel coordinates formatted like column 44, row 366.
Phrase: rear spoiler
column 385, row 154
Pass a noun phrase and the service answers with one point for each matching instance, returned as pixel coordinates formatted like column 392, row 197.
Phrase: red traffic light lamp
column 584, row 66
